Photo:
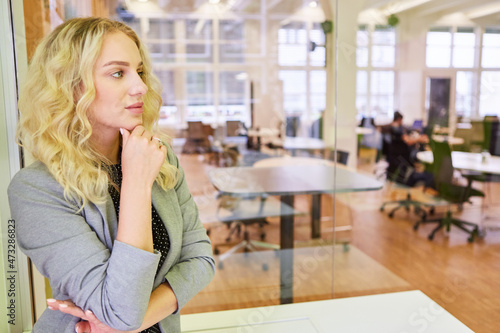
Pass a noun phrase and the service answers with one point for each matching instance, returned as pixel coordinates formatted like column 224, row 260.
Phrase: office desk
column 452, row 140
column 466, row 161
column 288, row 181
column 364, row 130
column 408, row 311
column 316, row 198
column 300, row 143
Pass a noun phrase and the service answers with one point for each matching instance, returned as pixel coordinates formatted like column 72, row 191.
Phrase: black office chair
column 452, row 193
column 339, row 156
column 398, row 178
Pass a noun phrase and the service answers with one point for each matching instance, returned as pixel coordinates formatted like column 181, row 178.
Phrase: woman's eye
column 141, row 73
column 117, row 74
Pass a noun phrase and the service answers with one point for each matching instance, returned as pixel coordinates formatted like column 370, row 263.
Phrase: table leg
column 286, row 251
column 316, row 216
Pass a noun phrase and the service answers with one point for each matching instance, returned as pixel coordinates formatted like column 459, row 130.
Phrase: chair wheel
column 262, row 236
column 391, row 215
column 216, row 251
column 431, row 237
column 471, row 239
column 265, row 267
column 415, row 227
column 432, row 211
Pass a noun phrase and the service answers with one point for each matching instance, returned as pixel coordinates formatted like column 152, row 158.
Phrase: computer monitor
column 418, row 125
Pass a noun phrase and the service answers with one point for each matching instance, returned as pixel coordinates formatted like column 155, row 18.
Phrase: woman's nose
column 138, row 86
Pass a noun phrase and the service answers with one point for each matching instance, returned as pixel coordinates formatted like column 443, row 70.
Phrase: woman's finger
column 66, row 306
column 125, row 135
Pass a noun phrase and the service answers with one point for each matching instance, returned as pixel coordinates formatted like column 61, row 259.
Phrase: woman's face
column 119, row 86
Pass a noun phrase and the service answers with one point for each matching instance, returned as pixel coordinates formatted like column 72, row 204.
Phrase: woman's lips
column 136, row 108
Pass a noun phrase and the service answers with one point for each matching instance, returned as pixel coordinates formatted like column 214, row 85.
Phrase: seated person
column 401, row 155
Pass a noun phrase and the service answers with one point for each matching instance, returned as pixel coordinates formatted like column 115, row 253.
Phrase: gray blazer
column 78, row 253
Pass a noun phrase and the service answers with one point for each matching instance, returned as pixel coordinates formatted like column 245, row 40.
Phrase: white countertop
column 401, row 312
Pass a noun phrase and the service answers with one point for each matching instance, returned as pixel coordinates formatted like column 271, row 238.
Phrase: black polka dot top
column 161, row 241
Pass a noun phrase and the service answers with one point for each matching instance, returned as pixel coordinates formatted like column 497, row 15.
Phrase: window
column 199, row 92
column 450, row 47
column 294, row 91
column 232, row 95
column 464, row 101
column 464, row 45
column 489, row 87
column 292, row 49
column 168, row 108
column 375, row 79
column 489, row 98
column 491, row 48
column 383, row 47
column 438, row 50
column 301, row 57
column 456, row 48
column 231, row 37
column 382, row 92
column 318, row 93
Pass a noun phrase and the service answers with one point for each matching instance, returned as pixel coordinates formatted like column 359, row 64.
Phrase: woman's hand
column 90, row 323
column 142, row 155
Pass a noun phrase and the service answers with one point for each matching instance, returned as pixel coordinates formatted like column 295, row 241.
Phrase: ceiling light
column 143, row 0
column 214, row 2
column 313, row 4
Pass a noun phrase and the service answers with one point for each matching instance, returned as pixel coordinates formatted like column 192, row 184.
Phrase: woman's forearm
column 135, row 226
column 161, row 305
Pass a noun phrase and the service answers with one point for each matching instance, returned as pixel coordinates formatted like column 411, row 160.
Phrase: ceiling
column 473, row 10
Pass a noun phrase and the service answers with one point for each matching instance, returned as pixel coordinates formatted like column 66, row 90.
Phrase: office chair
column 399, row 178
column 453, row 193
column 197, row 140
column 340, row 156
column 239, row 220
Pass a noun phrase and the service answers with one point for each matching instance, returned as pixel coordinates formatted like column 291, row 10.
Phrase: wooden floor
column 384, row 255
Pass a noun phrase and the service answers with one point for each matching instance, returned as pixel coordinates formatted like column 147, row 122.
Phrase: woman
column 104, row 212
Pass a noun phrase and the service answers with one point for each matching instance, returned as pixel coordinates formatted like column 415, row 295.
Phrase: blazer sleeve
column 114, row 283
column 196, row 266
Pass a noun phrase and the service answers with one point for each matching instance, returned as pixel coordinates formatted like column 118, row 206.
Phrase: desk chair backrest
column 196, row 130
column 443, row 165
column 443, row 176
column 490, row 126
column 232, row 127
column 340, row 156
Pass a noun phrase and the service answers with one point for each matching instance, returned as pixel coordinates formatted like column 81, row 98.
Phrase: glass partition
column 279, row 113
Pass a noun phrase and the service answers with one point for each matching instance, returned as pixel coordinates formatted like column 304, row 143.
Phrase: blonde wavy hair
column 54, row 106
